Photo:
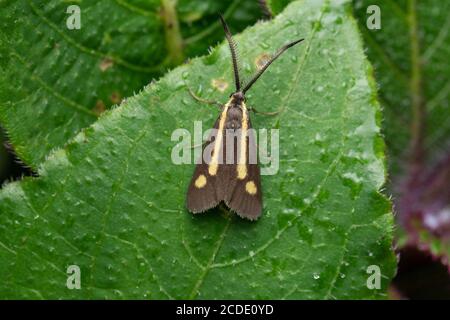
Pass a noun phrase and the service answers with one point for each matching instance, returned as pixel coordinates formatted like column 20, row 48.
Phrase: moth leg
column 264, row 113
column 201, row 144
column 211, row 102
column 197, row 145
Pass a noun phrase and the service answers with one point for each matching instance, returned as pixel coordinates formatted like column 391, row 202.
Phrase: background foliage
column 414, row 77
column 410, row 56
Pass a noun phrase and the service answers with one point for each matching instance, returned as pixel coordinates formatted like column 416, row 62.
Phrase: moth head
column 238, row 97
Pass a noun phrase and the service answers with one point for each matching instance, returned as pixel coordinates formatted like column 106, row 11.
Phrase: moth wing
column 225, row 177
column 201, row 194
column 244, row 196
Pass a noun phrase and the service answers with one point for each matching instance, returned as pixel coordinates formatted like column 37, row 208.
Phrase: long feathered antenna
column 233, row 50
column 265, row 9
column 274, row 57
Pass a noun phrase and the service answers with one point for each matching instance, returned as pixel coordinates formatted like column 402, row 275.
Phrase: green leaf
column 113, row 203
column 410, row 54
column 413, row 73
column 55, row 81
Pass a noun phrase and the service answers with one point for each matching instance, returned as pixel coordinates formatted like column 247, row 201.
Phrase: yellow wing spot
column 200, row 182
column 251, row 188
column 212, row 169
column 242, row 167
column 241, row 171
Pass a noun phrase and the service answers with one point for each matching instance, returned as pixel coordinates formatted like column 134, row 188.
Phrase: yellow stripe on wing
column 214, row 164
column 242, row 163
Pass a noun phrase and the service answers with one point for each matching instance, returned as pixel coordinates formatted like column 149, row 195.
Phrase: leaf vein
column 91, row 51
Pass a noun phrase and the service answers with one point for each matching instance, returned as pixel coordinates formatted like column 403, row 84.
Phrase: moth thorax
column 234, row 118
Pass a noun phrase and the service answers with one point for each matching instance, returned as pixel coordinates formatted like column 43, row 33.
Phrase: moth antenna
column 267, row 13
column 268, row 63
column 233, row 51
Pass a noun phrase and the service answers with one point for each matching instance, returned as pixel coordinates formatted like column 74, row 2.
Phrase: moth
column 228, row 175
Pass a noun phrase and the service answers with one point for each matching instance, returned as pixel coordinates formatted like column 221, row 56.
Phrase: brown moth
column 230, row 172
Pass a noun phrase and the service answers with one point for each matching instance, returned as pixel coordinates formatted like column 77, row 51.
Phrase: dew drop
column 246, row 66
column 264, row 45
column 199, row 90
column 353, row 181
column 179, row 85
column 288, row 22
